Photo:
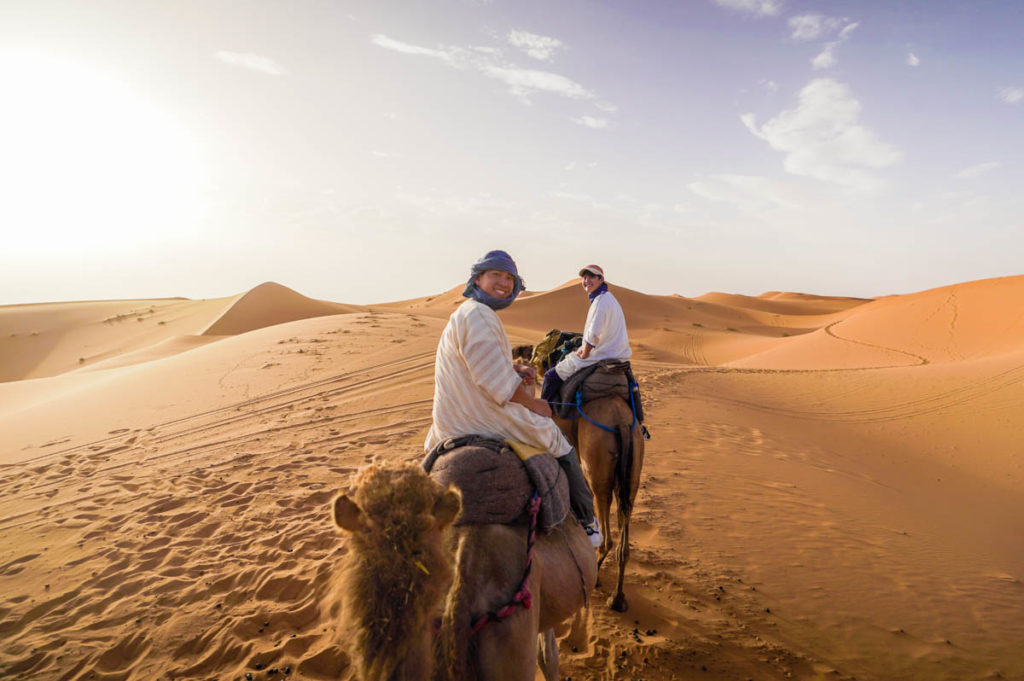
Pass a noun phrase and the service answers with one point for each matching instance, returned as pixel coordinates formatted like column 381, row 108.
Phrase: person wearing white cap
column 604, row 334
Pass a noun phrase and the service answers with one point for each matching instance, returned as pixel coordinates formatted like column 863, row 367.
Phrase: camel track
column 920, row 360
column 312, row 386
column 224, row 431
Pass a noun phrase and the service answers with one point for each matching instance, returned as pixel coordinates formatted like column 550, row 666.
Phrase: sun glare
column 86, row 164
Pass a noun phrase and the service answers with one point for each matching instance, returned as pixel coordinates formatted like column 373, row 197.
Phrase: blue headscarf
column 494, row 260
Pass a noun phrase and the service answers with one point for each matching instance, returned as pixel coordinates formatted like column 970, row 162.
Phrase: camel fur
column 407, row 564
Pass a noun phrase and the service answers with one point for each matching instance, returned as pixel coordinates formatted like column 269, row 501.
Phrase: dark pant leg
column 581, row 499
column 549, row 392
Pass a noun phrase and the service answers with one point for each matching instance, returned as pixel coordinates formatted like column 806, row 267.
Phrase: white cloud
column 760, row 8
column 807, row 26
column 912, row 59
column 847, row 30
column 747, row 192
column 769, row 85
column 447, row 56
column 253, row 62
column 978, row 170
column 813, row 25
column 592, row 122
column 386, row 154
column 826, row 58
column 822, row 138
column 1011, row 95
column 522, row 82
column 537, row 46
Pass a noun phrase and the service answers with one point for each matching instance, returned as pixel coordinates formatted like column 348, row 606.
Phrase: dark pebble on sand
column 287, row 671
column 767, row 609
column 258, row 666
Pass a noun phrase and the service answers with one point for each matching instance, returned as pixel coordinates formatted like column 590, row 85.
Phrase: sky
column 371, row 151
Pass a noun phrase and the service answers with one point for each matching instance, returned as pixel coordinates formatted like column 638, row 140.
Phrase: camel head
column 397, row 570
column 390, row 499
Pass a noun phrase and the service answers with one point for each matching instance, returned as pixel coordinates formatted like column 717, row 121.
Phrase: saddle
column 497, row 484
column 607, row 378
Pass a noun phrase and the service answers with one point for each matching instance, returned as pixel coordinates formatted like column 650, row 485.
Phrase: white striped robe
column 474, row 382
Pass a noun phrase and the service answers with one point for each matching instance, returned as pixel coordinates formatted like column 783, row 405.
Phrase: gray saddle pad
column 496, row 485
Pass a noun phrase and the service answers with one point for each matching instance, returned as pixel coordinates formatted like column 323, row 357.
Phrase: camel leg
column 602, row 483
column 604, row 517
column 618, row 601
column 508, row 650
column 578, row 634
column 547, row 655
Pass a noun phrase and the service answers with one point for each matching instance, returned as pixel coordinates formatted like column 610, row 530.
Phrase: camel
column 612, row 463
column 409, row 565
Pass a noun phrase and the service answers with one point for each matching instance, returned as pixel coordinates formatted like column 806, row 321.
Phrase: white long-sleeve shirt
column 474, row 382
column 605, row 329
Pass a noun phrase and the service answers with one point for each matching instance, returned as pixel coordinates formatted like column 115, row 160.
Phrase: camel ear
column 447, row 507
column 347, row 515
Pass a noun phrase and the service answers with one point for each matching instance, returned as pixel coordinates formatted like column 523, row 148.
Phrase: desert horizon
column 833, row 488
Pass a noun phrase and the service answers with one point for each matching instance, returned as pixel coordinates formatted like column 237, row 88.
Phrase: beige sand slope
column 834, row 490
column 55, row 338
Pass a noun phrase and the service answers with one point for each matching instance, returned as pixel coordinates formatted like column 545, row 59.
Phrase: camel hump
column 496, row 485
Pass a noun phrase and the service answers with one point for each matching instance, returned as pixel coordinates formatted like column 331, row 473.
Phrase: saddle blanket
column 497, row 480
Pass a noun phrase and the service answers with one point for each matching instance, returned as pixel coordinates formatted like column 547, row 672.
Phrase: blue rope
column 579, row 408
column 632, row 404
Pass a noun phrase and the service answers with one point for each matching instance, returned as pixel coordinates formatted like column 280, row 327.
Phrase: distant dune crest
column 775, row 330
column 267, row 305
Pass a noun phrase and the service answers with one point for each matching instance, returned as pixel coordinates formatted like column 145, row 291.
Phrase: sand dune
column 947, row 324
column 270, row 304
column 834, row 488
column 54, row 338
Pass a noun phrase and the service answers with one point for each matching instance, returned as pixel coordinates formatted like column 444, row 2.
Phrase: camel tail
column 624, row 470
column 456, row 624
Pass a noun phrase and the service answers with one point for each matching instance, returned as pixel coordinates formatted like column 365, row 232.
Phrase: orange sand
column 834, row 489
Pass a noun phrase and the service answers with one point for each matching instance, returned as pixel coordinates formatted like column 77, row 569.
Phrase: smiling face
column 590, row 281
column 496, row 284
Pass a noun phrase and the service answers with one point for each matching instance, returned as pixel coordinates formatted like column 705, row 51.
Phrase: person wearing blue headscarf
column 478, row 392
